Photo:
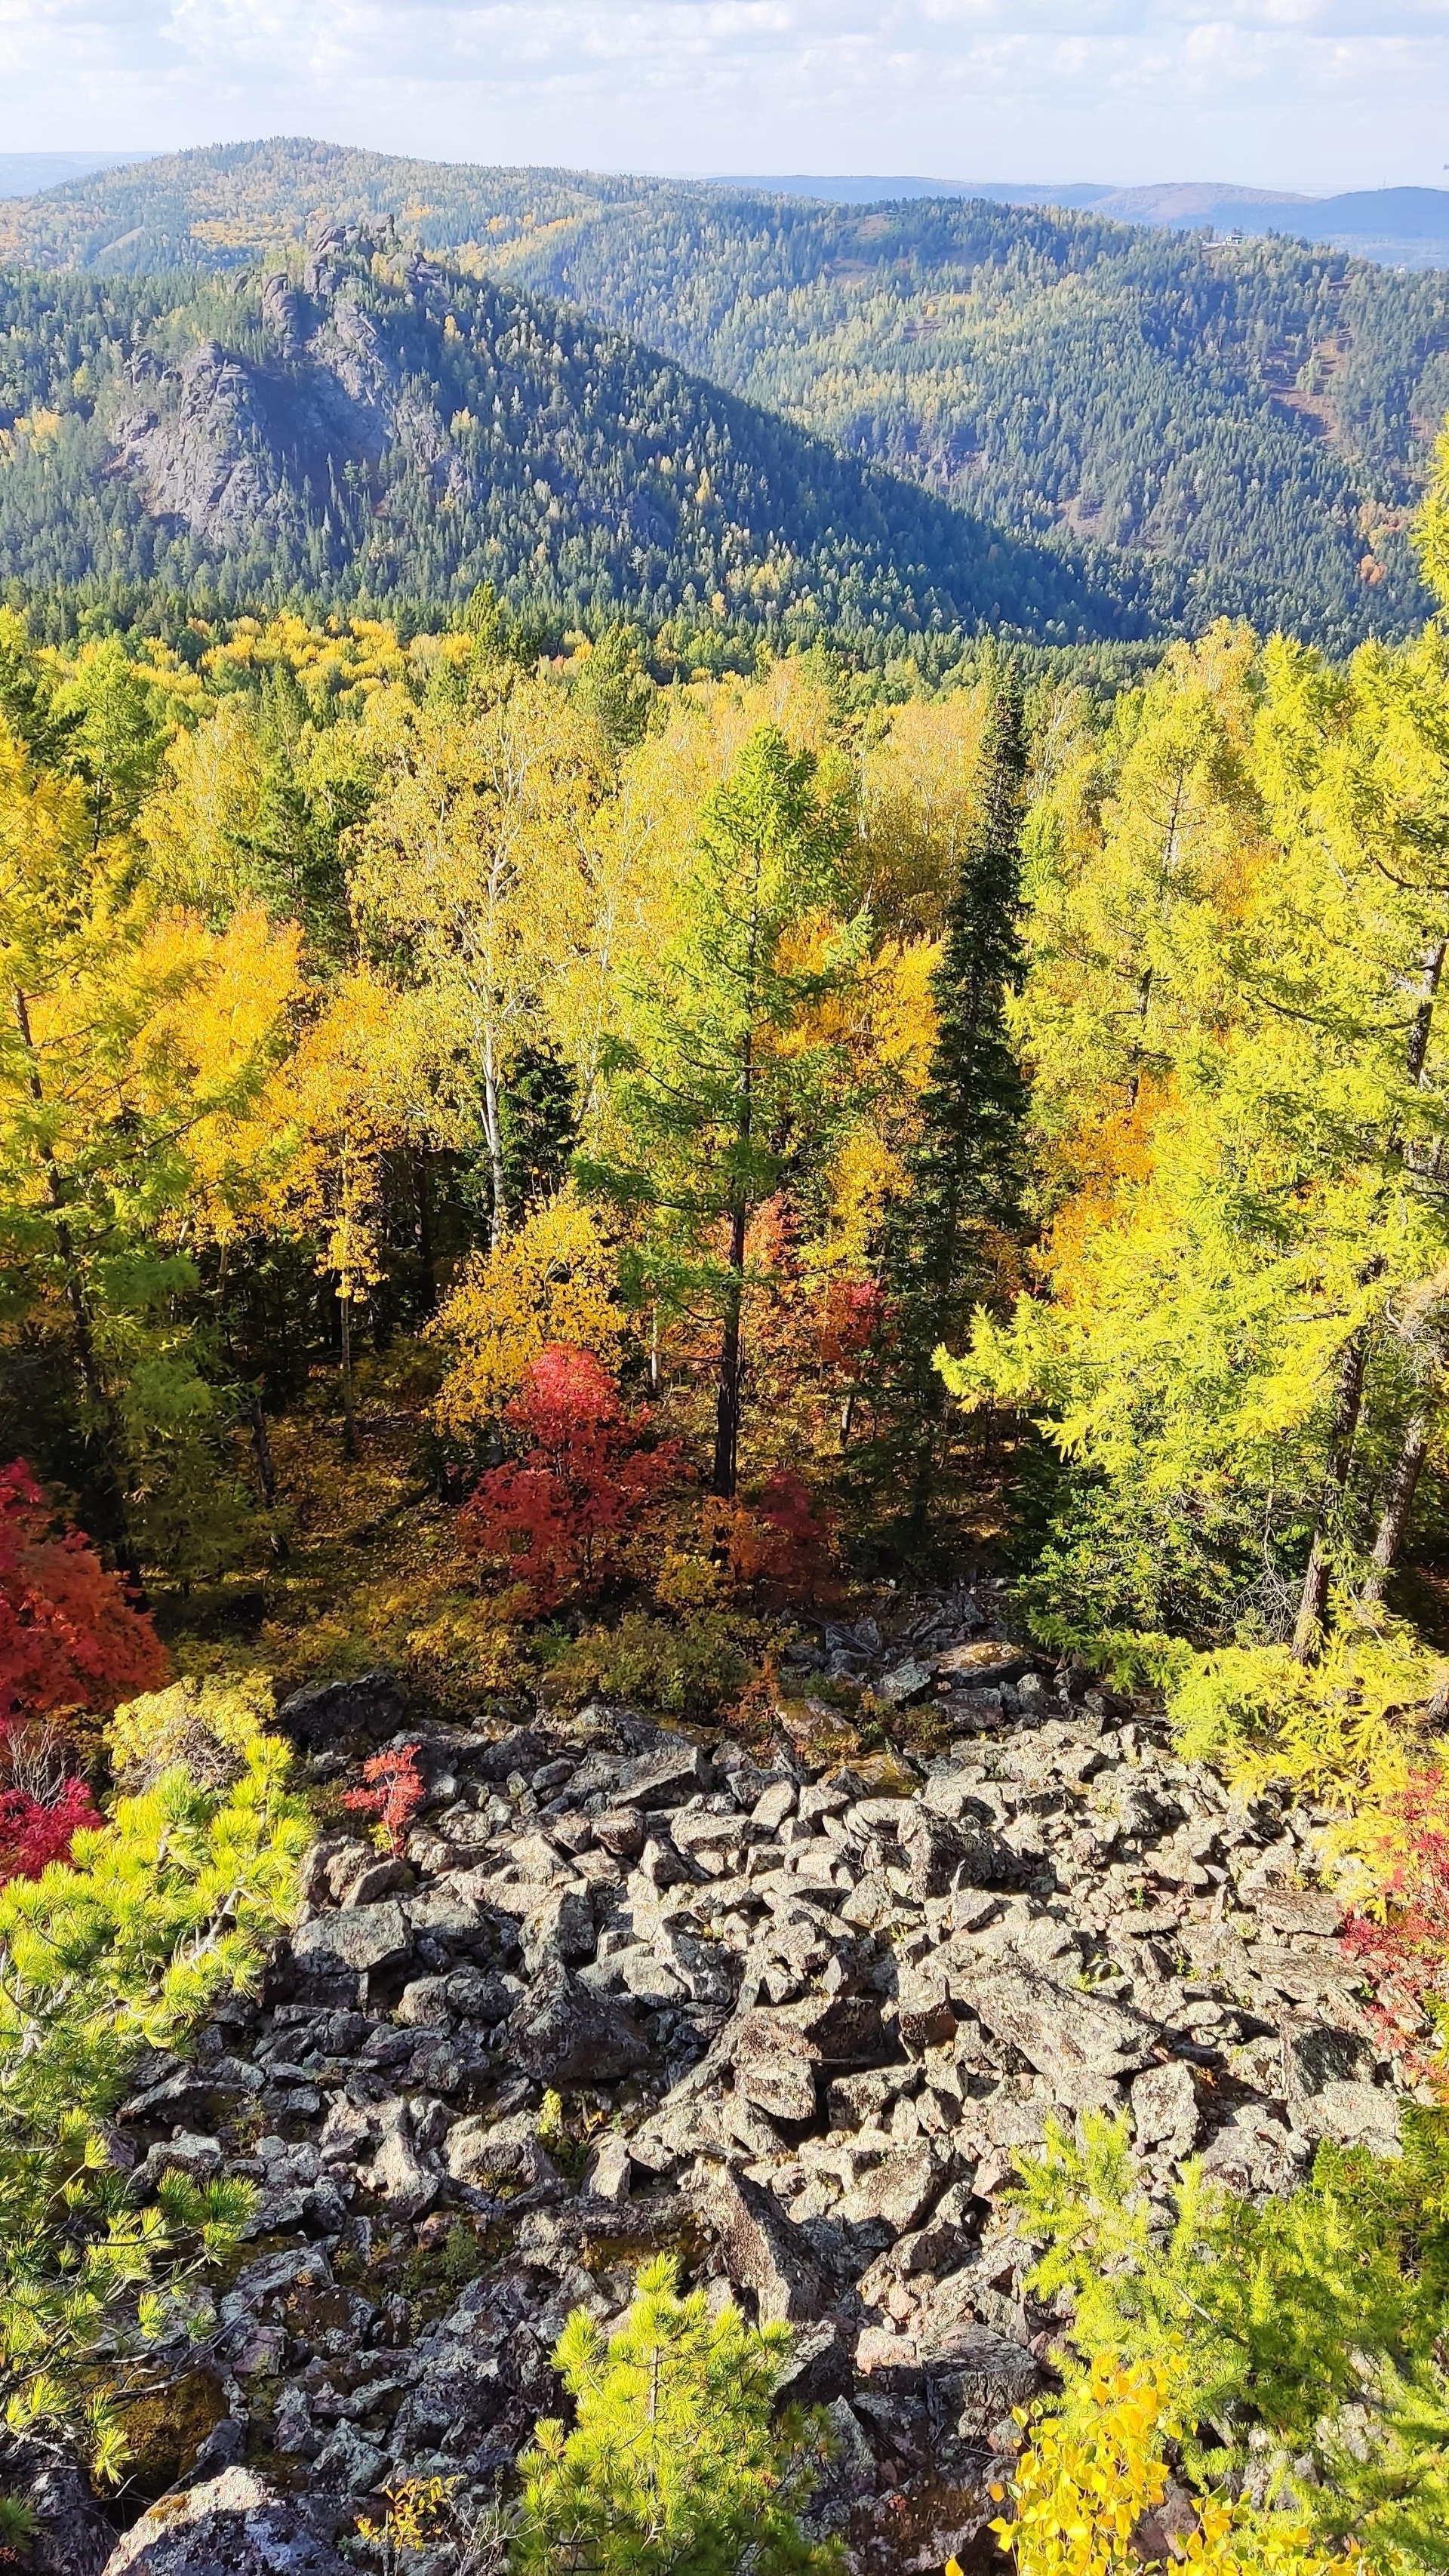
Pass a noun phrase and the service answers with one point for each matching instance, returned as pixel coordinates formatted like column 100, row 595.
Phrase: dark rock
column 562, row 2033
column 331, row 1713
column 761, row 2250
column 620, row 1832
column 74, row 2537
column 233, row 2525
column 983, row 2378
column 942, row 1854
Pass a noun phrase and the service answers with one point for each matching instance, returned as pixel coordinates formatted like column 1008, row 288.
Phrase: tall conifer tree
column 964, row 1171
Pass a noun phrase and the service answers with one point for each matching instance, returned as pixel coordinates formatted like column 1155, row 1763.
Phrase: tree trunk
column 493, row 1134
column 1348, row 1398
column 731, row 1361
column 349, row 1402
column 266, row 1469
column 1398, row 1503
column 427, row 1250
column 1418, row 1046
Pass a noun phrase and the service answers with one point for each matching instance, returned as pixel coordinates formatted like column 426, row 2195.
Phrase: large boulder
column 1082, row 2043
column 336, row 1713
column 234, row 2525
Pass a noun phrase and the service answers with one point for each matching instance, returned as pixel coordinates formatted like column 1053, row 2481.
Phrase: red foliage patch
column 556, row 1517
column 33, row 1833
column 851, row 1311
column 69, row 1638
column 1407, row 1957
column 393, row 1796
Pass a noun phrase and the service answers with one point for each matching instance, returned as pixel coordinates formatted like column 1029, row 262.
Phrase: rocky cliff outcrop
column 800, row 2019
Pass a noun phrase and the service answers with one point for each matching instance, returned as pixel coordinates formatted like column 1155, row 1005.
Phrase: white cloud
column 1307, row 93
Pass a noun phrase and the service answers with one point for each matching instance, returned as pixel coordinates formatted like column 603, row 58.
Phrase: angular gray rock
column 664, row 1778
column 563, row 2033
column 361, row 1938
column 761, row 2250
column 234, row 2525
column 898, row 2192
column 398, row 2174
column 1165, row 2112
column 1080, row 2042
column 499, row 2155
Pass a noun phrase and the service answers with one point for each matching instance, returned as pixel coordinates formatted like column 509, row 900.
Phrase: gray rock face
column 761, row 2250
column 234, row 2525
column 1080, row 2042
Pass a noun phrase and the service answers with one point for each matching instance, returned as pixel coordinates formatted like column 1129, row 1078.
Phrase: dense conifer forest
column 724, row 1340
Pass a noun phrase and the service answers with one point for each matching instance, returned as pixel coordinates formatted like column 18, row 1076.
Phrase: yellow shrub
column 1347, row 1727
column 205, row 1725
column 1097, row 2464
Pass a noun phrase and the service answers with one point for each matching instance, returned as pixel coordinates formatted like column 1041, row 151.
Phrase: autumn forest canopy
column 652, row 1004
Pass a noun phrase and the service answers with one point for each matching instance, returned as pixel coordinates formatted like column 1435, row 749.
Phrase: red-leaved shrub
column 393, row 1795
column 850, row 1314
column 555, row 1518
column 69, row 1638
column 33, row 1832
column 1407, row 1956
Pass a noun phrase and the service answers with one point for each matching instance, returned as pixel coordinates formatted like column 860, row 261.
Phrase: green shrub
column 169, row 1905
column 676, row 2464
column 688, row 1668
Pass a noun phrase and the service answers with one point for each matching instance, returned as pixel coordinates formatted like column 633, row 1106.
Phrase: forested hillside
column 1250, row 421
column 388, row 430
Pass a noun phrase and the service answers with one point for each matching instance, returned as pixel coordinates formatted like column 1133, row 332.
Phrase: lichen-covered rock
column 234, row 2525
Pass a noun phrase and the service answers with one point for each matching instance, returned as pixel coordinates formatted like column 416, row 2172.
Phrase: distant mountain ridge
column 1220, row 427
column 1406, row 227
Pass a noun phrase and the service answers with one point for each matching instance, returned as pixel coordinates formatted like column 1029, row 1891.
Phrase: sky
column 1314, row 95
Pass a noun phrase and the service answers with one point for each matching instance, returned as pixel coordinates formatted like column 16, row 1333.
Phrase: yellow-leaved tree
column 554, row 1278
column 135, row 1044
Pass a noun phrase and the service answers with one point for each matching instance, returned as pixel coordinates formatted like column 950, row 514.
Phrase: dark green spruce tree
column 964, row 1172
